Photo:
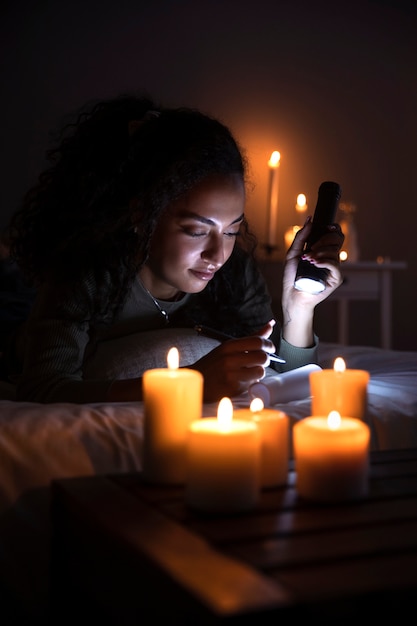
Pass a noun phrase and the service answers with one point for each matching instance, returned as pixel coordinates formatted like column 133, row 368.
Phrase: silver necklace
column 158, row 306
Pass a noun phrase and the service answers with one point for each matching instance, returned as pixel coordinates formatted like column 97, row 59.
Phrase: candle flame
column 339, row 365
column 301, row 202
column 334, row 420
column 225, row 414
column 274, row 159
column 256, row 405
column 173, row 359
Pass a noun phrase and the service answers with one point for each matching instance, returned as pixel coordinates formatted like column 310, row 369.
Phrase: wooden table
column 125, row 552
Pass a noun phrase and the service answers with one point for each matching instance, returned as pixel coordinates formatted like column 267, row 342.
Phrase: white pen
column 216, row 334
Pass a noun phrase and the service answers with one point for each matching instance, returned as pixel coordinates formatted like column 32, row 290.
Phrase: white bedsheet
column 39, row 443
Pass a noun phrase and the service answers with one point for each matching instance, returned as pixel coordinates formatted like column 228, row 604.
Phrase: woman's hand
column 298, row 306
column 324, row 254
column 234, row 365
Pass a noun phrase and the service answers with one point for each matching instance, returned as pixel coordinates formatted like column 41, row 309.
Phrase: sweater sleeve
column 53, row 352
column 293, row 356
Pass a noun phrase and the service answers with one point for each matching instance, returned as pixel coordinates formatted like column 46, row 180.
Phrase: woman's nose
column 214, row 251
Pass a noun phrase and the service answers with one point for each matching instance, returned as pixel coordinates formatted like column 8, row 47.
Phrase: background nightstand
column 363, row 281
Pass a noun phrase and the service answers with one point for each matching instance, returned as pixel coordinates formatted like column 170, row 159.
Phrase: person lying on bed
column 139, row 224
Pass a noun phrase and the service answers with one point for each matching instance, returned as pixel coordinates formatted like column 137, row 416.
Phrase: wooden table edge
column 222, row 584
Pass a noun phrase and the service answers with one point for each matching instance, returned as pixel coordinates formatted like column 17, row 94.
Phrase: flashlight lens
column 309, row 285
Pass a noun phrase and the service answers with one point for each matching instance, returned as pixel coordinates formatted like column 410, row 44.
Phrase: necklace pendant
column 156, row 303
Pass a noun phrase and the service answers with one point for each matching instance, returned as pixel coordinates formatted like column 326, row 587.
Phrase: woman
column 138, row 225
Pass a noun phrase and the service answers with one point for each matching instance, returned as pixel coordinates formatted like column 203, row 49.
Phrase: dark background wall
column 332, row 85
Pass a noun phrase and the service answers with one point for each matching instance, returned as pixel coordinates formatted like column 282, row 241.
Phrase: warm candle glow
column 223, row 458
column 173, row 398
column 289, row 235
column 225, row 414
column 334, row 420
column 173, row 359
column 273, row 429
column 331, row 459
column 273, row 192
column 274, row 159
column 339, row 389
column 256, row 405
column 301, row 204
column 339, row 365
column 343, row 255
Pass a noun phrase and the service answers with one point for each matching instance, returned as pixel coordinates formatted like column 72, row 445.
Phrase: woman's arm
column 298, row 306
column 53, row 345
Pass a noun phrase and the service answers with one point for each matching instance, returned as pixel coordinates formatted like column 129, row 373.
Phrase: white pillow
column 130, row 356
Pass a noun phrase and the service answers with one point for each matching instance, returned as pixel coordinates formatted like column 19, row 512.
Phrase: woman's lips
column 202, row 275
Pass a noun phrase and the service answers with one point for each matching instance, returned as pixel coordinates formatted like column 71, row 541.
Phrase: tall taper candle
column 273, row 192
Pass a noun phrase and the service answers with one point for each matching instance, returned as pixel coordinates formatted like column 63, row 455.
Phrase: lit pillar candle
column 273, row 192
column 173, row 398
column 223, row 457
column 331, row 457
column 274, row 433
column 339, row 389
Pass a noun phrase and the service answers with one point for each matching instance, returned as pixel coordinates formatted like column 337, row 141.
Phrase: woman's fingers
column 233, row 366
column 248, row 345
column 266, row 330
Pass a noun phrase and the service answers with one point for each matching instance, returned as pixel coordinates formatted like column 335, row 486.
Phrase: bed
column 39, row 443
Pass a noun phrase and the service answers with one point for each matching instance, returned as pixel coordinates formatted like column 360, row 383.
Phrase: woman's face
column 195, row 237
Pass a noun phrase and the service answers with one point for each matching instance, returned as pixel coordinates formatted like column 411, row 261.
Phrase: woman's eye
column 191, row 232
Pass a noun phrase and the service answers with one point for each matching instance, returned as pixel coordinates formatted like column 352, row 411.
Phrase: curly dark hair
column 114, row 170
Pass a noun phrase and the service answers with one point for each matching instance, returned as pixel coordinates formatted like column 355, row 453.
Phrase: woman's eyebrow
column 207, row 220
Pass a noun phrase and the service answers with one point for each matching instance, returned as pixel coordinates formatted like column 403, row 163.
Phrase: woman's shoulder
column 76, row 299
